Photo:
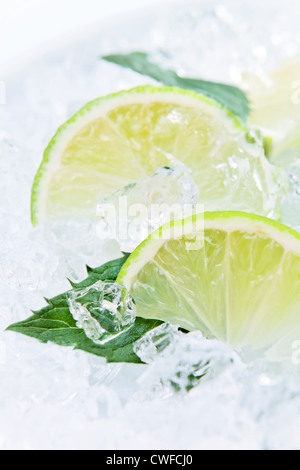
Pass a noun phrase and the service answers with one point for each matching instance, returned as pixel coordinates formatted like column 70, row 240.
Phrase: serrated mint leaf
column 56, row 324
column 229, row 96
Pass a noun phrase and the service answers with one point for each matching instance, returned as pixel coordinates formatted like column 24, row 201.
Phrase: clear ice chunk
column 178, row 361
column 290, row 211
column 104, row 310
column 155, row 341
column 132, row 213
column 290, row 206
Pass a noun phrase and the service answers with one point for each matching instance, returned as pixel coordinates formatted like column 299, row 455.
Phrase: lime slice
column 275, row 102
column 118, row 139
column 232, row 275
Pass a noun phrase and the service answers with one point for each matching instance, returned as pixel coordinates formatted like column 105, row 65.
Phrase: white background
column 28, row 26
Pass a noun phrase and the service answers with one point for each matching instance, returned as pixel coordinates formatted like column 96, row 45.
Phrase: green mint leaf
column 229, row 96
column 56, row 324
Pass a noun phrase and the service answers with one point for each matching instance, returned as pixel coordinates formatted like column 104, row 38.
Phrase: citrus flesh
column 116, row 140
column 233, row 276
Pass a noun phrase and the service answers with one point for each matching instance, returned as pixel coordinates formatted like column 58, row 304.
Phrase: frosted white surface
column 55, row 398
column 39, row 25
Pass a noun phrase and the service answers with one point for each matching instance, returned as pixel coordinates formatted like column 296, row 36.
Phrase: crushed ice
column 132, row 213
column 178, row 361
column 290, row 207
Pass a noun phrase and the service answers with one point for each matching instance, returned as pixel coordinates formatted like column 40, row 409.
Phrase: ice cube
column 132, row 213
column 290, row 206
column 103, row 310
column 178, row 361
column 289, row 161
column 155, row 341
column 290, row 211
